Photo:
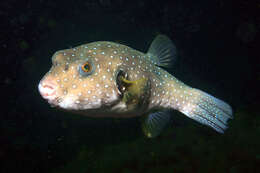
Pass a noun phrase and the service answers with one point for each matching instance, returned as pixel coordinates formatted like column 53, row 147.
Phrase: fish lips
column 50, row 96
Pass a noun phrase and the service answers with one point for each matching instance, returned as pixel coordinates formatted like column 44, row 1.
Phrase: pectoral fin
column 135, row 92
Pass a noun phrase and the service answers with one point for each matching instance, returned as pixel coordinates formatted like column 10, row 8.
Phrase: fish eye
column 86, row 68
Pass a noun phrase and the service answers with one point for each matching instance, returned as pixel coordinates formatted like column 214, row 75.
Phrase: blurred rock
column 23, row 45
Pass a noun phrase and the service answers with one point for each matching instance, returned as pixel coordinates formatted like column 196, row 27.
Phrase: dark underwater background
column 218, row 52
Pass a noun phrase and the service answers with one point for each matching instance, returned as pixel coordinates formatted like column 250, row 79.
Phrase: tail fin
column 207, row 110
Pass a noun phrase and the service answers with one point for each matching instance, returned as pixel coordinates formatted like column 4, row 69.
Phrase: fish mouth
column 55, row 102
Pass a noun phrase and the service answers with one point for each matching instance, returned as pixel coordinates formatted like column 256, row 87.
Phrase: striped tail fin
column 207, row 110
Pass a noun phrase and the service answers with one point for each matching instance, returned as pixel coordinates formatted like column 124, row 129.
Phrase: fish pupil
column 86, row 67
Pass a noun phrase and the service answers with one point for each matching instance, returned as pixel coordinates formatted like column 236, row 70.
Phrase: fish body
column 107, row 79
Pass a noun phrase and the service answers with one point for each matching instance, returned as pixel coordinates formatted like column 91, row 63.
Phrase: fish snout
column 48, row 89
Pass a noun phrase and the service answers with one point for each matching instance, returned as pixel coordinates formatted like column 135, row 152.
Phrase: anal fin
column 154, row 123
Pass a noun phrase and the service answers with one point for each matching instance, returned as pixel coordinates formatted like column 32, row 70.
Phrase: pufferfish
column 107, row 79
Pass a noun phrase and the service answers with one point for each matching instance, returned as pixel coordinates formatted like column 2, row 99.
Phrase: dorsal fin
column 162, row 51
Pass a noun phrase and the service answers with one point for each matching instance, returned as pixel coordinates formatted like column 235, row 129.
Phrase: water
column 217, row 48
